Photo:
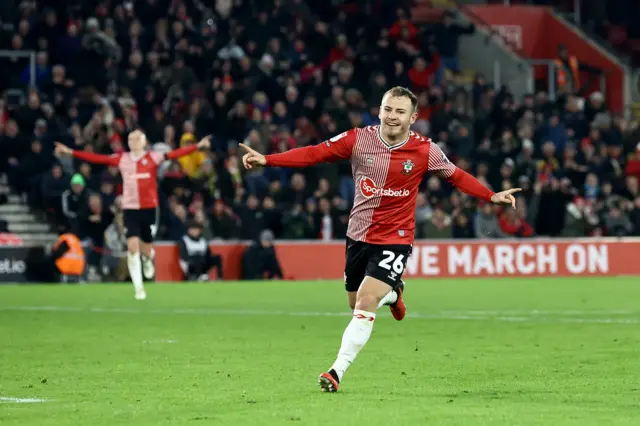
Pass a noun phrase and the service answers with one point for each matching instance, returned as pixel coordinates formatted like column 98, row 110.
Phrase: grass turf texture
column 476, row 352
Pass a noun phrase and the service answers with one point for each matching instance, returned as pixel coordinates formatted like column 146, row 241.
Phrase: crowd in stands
column 281, row 74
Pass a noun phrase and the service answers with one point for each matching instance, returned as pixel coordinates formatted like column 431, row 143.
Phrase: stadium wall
column 310, row 260
column 535, row 33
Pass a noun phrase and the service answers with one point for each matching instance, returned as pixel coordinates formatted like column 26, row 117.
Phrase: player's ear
column 414, row 117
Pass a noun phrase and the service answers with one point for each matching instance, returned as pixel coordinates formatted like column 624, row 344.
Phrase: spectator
column 260, row 261
column 568, row 71
column 554, row 197
column 579, row 219
column 191, row 163
column 462, row 227
column 420, row 74
column 616, row 224
column 633, row 163
column 177, row 222
column 296, row 224
column 223, row 223
column 53, row 185
column 439, row 227
column 94, row 219
column 251, row 218
column 114, row 262
column 32, row 164
column 486, row 223
column 74, row 200
column 196, row 260
column 513, row 224
column 42, row 69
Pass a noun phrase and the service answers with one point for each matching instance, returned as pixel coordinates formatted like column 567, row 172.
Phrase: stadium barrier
column 19, row 263
column 310, row 260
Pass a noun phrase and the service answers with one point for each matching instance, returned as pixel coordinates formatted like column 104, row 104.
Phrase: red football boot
column 329, row 381
column 399, row 309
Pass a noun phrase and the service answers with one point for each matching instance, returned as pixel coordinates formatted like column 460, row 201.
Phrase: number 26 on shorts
column 391, row 261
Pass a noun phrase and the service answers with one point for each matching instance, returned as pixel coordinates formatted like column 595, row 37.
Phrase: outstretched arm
column 89, row 157
column 442, row 167
column 186, row 150
column 181, row 152
column 469, row 185
column 334, row 149
column 302, row 157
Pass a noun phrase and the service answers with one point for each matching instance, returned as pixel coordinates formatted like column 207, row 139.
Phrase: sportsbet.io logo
column 369, row 189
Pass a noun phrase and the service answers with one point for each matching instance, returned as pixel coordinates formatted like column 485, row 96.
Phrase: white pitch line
column 542, row 312
column 504, row 316
column 6, row 399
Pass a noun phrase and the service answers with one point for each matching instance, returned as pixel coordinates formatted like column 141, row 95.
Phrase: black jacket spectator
column 260, row 261
column 74, row 202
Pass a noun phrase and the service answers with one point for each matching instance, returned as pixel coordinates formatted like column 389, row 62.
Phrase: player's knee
column 133, row 245
column 366, row 302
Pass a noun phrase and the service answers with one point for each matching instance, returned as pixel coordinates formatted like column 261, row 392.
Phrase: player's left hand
column 505, row 197
column 205, row 143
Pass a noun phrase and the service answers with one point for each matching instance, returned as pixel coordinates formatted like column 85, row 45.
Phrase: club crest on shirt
column 369, row 161
column 407, row 167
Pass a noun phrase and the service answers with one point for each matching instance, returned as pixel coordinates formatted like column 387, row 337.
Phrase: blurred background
column 535, row 94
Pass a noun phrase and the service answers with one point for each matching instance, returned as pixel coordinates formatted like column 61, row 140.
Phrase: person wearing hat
column 73, row 199
column 196, row 260
column 260, row 260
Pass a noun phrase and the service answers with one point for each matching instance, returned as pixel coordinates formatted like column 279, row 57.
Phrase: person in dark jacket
column 94, row 218
column 33, row 163
column 222, row 222
column 73, row 200
column 196, row 260
column 260, row 260
column 52, row 186
column 251, row 218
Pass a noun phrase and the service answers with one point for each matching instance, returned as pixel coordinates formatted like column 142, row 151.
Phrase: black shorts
column 142, row 223
column 383, row 262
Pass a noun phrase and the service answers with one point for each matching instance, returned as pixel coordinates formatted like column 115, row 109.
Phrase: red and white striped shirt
column 139, row 174
column 387, row 179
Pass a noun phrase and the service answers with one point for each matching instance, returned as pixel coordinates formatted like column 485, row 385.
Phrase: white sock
column 355, row 336
column 390, row 298
column 133, row 262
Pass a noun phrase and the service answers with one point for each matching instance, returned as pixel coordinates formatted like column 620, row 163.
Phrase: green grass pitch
column 554, row 351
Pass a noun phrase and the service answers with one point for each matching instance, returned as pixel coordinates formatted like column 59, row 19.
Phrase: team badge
column 369, row 161
column 407, row 167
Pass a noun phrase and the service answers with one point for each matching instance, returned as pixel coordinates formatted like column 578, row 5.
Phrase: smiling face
column 137, row 142
column 397, row 114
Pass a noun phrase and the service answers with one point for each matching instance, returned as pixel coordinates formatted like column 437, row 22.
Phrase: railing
column 23, row 54
column 551, row 77
column 480, row 22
